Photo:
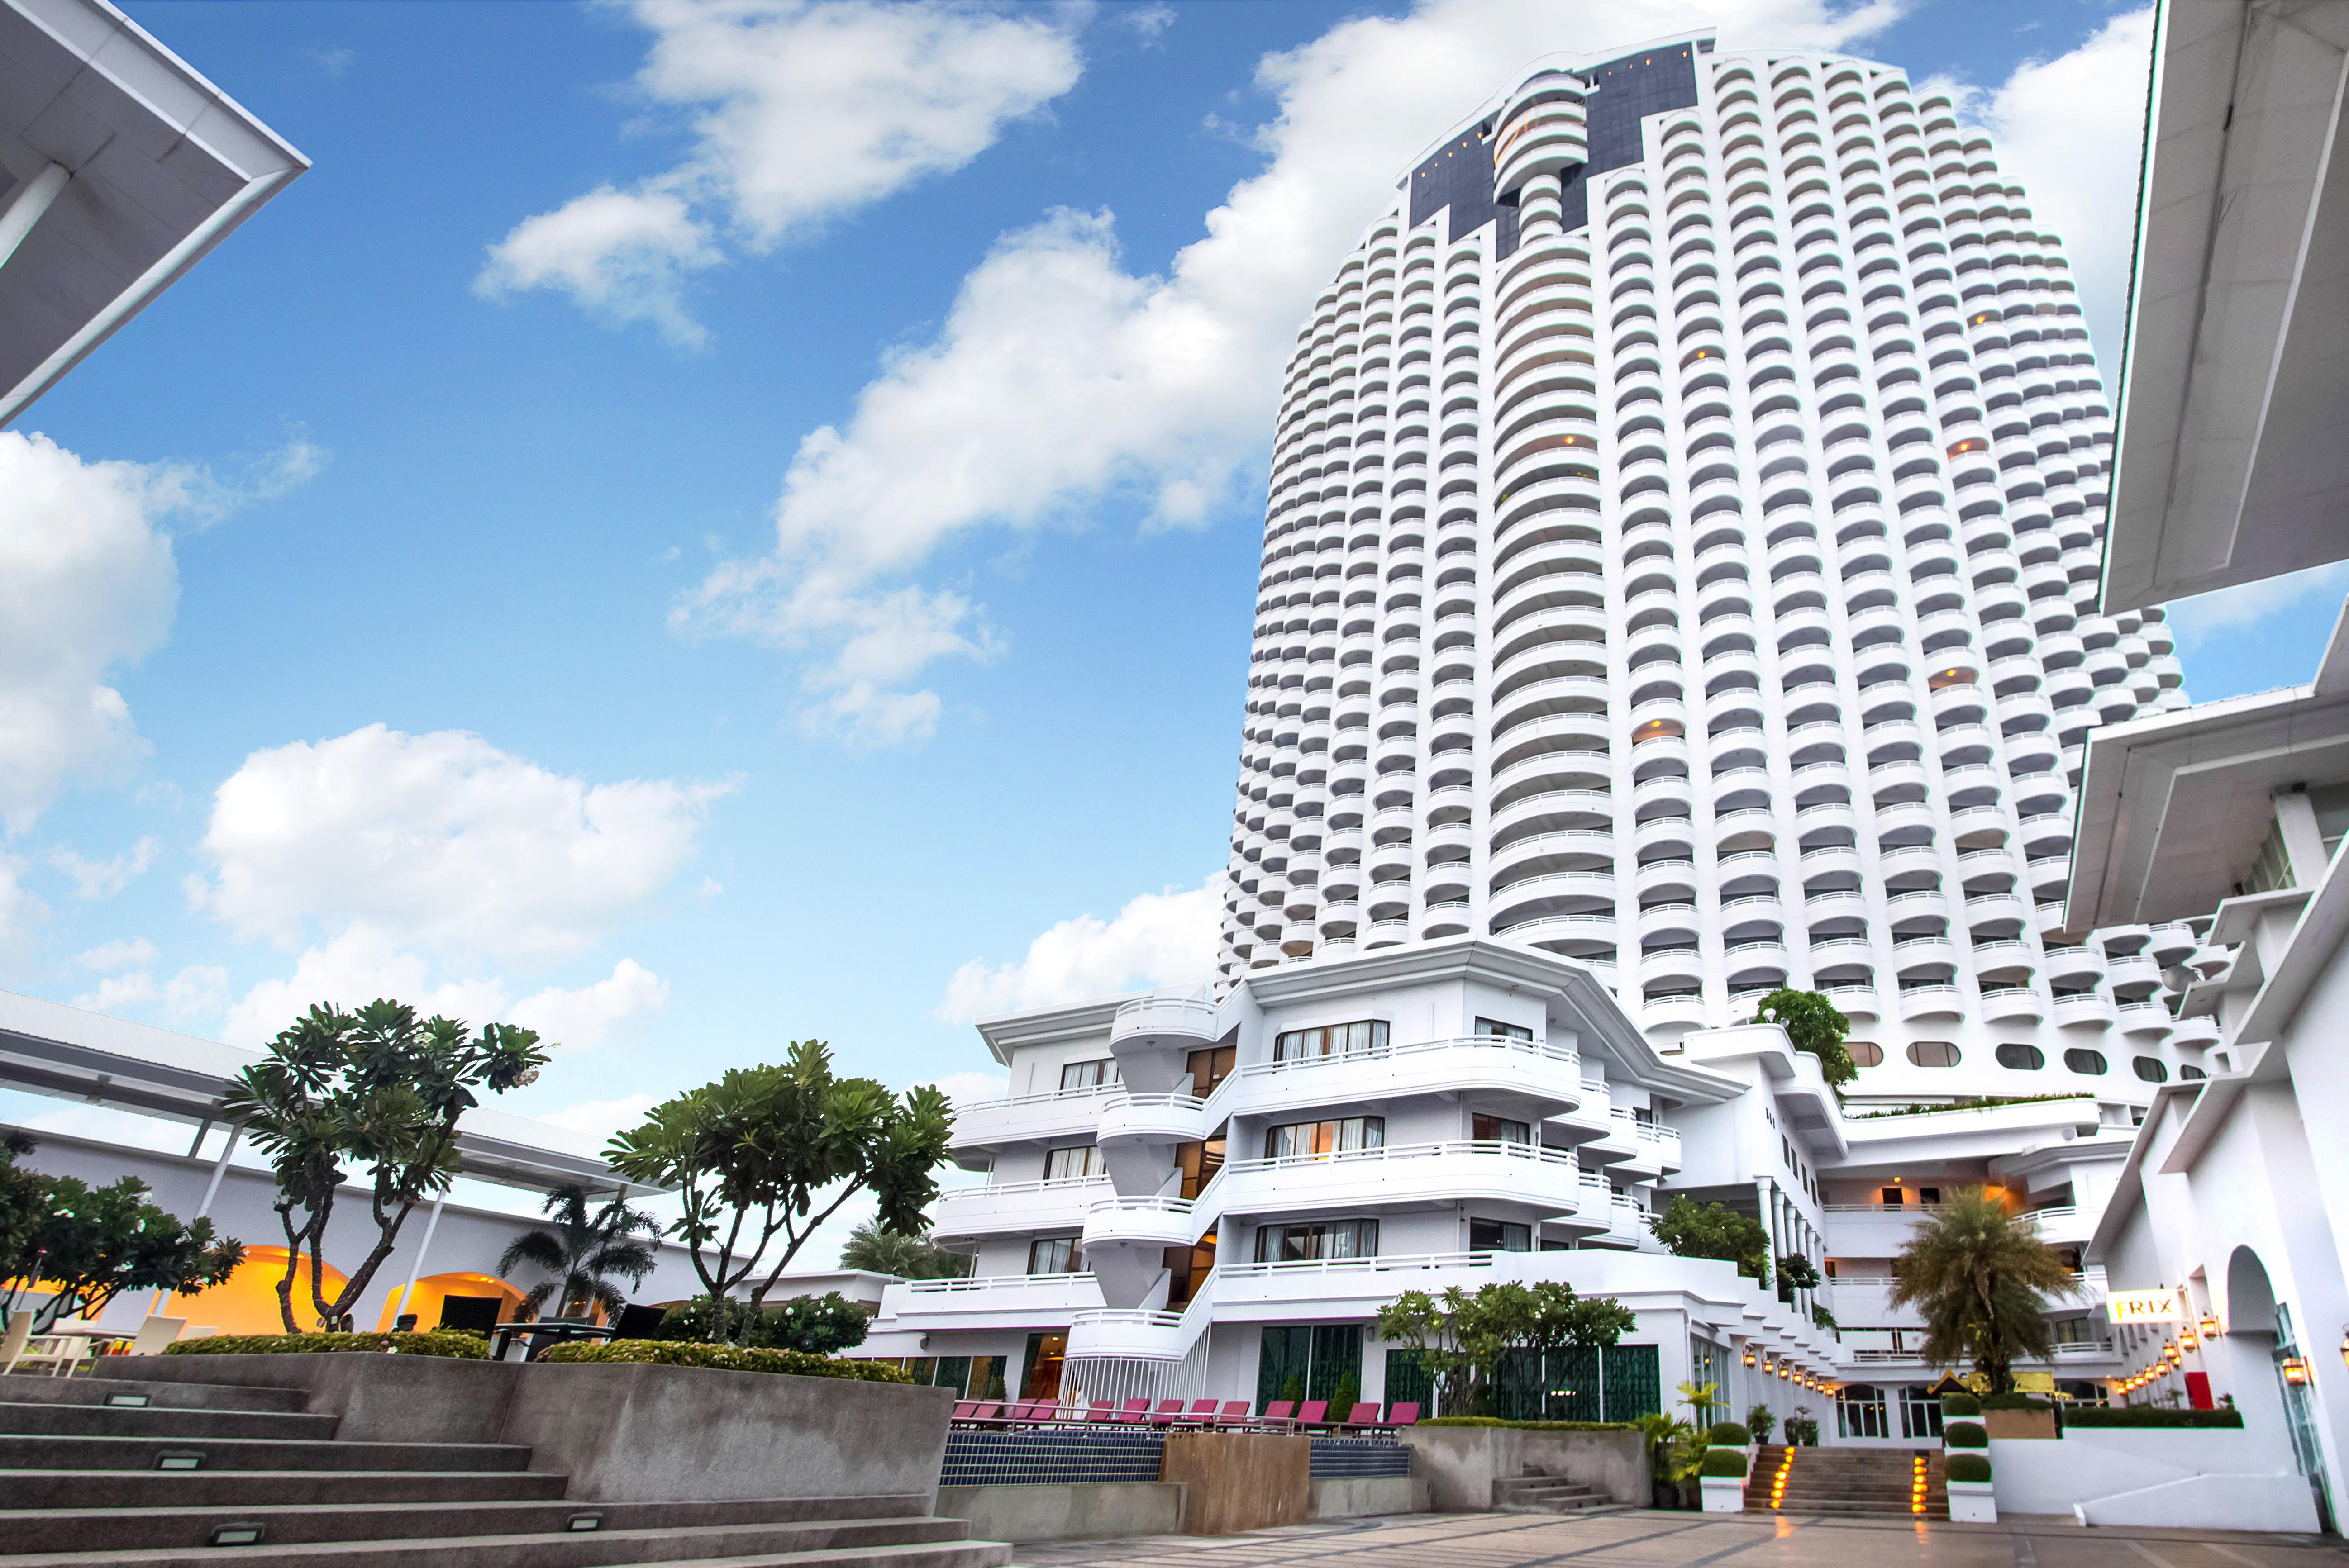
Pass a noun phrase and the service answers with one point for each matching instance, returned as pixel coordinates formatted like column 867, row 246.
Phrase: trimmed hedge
column 1966, row 1435
column 1960, row 1404
column 2107, row 1416
column 1724, row 1462
column 2013, row 1402
column 1729, row 1435
column 451, row 1342
column 728, row 1358
column 1530, row 1426
column 1968, row 1467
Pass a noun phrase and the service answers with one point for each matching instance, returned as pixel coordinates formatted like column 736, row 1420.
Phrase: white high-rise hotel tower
column 1684, row 515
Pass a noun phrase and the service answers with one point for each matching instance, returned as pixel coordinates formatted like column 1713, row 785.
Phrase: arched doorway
column 246, row 1301
column 461, row 1300
column 2260, row 1327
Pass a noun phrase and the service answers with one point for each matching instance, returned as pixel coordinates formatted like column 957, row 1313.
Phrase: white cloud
column 803, row 110
column 585, row 1016
column 363, row 963
column 439, row 843
column 600, row 1118
column 2071, row 128
column 2247, row 604
column 103, row 879
column 358, row 964
column 108, row 957
column 971, row 1088
column 1060, row 375
column 621, row 255
column 87, row 585
column 1158, row 939
column 199, row 991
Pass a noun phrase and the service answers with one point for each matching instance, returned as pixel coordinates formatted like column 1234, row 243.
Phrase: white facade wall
column 1685, row 566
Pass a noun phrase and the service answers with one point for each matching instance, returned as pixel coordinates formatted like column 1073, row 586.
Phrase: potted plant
column 1971, row 1498
column 1965, row 1446
column 1720, row 1477
column 1732, row 1435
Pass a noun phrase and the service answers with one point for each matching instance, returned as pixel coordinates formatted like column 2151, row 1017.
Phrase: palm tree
column 895, row 1253
column 583, row 1252
column 1980, row 1275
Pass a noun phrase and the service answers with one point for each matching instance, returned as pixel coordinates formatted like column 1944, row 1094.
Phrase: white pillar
column 416, row 1269
column 24, row 208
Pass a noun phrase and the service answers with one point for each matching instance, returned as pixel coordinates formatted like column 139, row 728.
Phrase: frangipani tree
column 766, row 1154
column 379, row 1088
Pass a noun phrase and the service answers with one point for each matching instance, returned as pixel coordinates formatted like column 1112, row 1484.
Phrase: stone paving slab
column 1653, row 1538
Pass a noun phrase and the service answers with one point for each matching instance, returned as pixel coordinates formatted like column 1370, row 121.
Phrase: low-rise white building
column 1192, row 1197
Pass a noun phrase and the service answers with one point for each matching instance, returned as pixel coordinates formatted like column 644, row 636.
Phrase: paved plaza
column 1642, row 1539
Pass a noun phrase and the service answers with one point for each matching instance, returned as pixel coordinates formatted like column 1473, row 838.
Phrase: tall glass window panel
column 1299, row 1139
column 1367, row 1037
column 1499, row 1129
column 1073, row 1164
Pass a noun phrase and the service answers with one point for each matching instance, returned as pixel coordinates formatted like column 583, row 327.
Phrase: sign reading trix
column 2143, row 1305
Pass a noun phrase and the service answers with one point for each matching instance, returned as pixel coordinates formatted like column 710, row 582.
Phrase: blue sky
column 479, row 434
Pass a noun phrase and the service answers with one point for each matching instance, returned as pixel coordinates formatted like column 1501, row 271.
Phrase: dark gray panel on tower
column 1627, row 91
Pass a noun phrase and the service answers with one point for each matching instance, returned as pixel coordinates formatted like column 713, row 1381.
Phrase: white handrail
column 965, row 1194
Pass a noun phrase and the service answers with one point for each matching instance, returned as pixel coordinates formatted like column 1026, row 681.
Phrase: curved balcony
column 2073, row 966
column 1394, row 1178
column 1014, row 1208
column 2193, row 1034
column 1028, row 1117
column 2084, row 1007
column 2146, row 1019
column 1921, row 1002
column 1854, row 1002
column 2012, row 1004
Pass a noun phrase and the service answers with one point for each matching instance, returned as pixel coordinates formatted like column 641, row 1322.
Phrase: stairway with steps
column 1537, row 1492
column 1848, row 1482
column 112, row 1473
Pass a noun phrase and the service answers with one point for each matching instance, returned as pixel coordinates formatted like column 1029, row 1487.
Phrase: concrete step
column 106, row 1489
column 33, row 1453
column 28, row 1389
column 87, row 1529
column 802, row 1541
column 937, row 1554
column 38, row 1419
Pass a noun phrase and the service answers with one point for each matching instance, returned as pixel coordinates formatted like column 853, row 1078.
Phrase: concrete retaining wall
column 623, row 1433
column 1460, row 1464
column 1081, row 1511
column 2215, row 1479
column 1361, row 1496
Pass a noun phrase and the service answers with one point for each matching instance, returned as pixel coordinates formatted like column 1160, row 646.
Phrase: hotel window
column 1088, row 1075
column 1330, row 1041
column 1499, row 1236
column 2150, row 1068
column 1932, row 1054
column 1893, row 1197
column 1306, row 1243
column 1493, row 1029
column 1057, row 1255
column 1920, row 1413
column 2088, row 1063
column 1300, row 1139
column 1073, row 1164
column 1499, row 1129
column 2022, row 1058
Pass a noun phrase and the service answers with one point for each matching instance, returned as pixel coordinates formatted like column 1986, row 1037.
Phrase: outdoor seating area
column 1199, row 1415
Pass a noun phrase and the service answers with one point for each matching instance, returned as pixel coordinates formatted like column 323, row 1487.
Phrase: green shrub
column 451, row 1342
column 1759, row 1421
column 1968, row 1467
column 2105, row 1416
column 1966, row 1435
column 728, row 1358
column 1960, row 1404
column 1530, row 1426
column 1728, row 1435
column 1724, row 1462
